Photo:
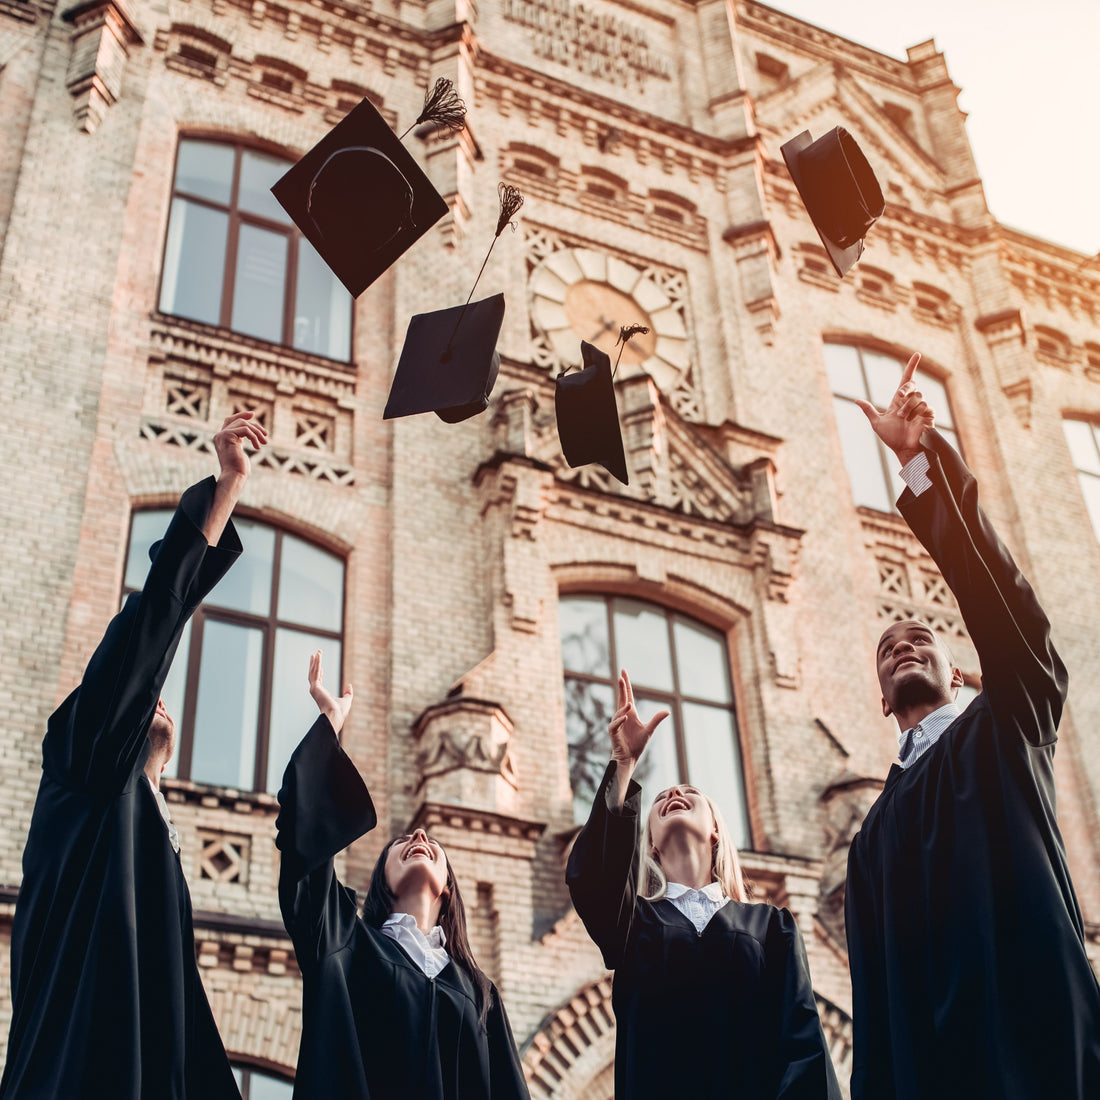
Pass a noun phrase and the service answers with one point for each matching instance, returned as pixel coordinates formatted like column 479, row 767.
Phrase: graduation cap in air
column 358, row 195
column 449, row 362
column 839, row 190
column 588, row 418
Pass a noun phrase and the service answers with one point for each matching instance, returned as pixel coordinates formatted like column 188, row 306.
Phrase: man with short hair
column 965, row 939
column 107, row 998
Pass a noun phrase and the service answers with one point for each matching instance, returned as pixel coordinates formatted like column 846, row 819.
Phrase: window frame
column 237, row 218
column 671, row 700
column 1093, row 424
column 268, row 624
column 861, row 346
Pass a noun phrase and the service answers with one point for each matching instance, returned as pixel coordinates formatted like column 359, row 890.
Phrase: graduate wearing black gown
column 107, row 1001
column 375, row 1026
column 969, row 972
column 722, row 1010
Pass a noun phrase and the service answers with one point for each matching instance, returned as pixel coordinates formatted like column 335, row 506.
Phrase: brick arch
column 257, row 1030
column 572, row 1055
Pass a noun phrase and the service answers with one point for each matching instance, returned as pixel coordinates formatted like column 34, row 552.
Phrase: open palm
column 629, row 734
column 335, row 710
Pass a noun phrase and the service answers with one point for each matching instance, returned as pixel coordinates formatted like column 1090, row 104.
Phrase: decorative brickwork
column 665, row 197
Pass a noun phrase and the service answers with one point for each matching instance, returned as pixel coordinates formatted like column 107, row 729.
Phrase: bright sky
column 1028, row 74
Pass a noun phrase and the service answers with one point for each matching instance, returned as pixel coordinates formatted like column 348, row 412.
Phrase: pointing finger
column 910, row 368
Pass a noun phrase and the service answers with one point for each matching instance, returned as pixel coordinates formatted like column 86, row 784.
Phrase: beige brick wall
column 458, row 539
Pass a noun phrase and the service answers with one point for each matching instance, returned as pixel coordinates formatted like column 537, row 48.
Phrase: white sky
column 1030, row 78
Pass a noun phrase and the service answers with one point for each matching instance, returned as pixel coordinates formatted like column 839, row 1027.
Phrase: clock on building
column 581, row 294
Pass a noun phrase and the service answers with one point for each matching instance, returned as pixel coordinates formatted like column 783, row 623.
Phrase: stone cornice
column 807, row 38
column 431, row 815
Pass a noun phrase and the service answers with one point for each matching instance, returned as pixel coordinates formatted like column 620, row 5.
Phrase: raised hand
column 629, row 734
column 335, row 710
column 229, row 443
column 905, row 420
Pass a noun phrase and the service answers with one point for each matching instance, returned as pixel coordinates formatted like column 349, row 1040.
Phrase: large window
column 238, row 690
column 1084, row 445
column 233, row 258
column 256, row 1085
column 675, row 664
column 854, row 373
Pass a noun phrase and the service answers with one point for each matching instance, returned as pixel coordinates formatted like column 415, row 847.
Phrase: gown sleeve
column 602, row 872
column 1023, row 678
column 324, row 806
column 506, row 1080
column 95, row 738
column 805, row 1070
column 870, row 1035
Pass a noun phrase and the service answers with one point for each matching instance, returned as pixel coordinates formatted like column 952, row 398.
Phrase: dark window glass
column 237, row 687
column 856, row 373
column 233, row 258
column 1083, row 440
column 675, row 664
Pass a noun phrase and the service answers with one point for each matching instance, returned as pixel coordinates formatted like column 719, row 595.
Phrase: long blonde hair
column 725, row 867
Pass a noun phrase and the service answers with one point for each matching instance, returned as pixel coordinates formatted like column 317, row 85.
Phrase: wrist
column 231, row 480
column 906, row 455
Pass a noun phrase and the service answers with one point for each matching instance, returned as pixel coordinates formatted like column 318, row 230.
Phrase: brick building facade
column 470, row 572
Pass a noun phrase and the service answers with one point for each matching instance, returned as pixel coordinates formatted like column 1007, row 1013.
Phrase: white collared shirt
column 162, row 805
column 428, row 952
column 914, row 742
column 697, row 905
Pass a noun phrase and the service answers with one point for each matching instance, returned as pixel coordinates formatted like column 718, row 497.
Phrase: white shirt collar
column 427, row 952
column 406, row 921
column 162, row 805
column 712, row 891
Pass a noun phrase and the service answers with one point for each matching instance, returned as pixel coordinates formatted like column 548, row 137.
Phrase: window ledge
column 214, row 340
column 190, row 793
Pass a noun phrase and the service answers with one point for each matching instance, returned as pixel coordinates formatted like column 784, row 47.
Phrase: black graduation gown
column 374, row 1026
column 969, row 973
column 726, row 1012
column 107, row 998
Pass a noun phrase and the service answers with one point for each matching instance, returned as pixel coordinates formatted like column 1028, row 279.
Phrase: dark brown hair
column 378, row 906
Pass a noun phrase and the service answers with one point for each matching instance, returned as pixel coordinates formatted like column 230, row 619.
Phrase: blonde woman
column 712, row 993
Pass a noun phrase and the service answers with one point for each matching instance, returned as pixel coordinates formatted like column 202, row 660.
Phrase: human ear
column 957, row 680
column 886, row 711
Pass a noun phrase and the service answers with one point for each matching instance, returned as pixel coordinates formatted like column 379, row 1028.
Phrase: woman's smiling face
column 413, row 859
column 680, row 807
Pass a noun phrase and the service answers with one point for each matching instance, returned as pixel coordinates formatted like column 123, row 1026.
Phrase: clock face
column 580, row 294
column 595, row 311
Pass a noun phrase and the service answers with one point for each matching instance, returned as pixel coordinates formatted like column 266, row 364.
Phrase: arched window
column 856, row 372
column 237, row 688
column 233, row 257
column 1083, row 439
column 675, row 664
column 257, row 1085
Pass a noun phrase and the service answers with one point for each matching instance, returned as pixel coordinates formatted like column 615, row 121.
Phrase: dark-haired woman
column 394, row 1005
column 712, row 993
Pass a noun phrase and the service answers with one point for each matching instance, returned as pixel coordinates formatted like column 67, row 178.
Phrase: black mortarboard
column 358, row 195
column 839, row 190
column 588, row 418
column 451, row 377
column 449, row 363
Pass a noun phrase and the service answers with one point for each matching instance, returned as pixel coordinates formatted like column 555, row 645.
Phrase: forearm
column 620, row 785
column 227, row 491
